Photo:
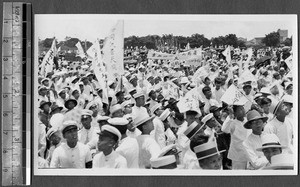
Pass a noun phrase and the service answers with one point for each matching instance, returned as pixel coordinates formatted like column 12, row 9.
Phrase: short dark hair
column 265, row 100
column 198, row 139
column 206, row 89
column 191, row 113
column 206, row 78
column 218, row 80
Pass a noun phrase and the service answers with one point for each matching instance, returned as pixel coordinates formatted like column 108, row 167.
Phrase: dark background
column 165, row 7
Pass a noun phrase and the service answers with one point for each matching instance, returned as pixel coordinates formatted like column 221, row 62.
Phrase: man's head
column 218, row 83
column 210, row 121
column 70, row 132
column 86, row 118
column 239, row 111
column 270, row 146
column 139, row 99
column 265, row 104
column 279, row 109
column 70, row 104
column 247, row 88
column 54, row 136
column 45, row 106
column 206, row 81
column 192, row 116
column 116, row 111
column 207, row 92
column 144, row 123
column 75, row 94
column 108, row 139
column 62, row 94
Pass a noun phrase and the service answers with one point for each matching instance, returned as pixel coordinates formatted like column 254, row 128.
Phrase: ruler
column 16, row 99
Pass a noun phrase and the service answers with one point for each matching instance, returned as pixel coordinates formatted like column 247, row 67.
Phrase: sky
column 91, row 27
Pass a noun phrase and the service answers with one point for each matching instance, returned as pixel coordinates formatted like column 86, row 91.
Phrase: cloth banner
column 233, row 96
column 113, row 51
column 47, row 64
column 99, row 70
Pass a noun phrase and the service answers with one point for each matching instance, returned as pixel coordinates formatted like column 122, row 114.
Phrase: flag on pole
column 187, row 47
column 227, row 54
column 233, row 96
column 113, row 51
column 289, row 62
column 80, row 51
column 47, row 64
column 249, row 52
column 246, row 76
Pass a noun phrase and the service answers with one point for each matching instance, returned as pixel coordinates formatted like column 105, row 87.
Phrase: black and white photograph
column 165, row 94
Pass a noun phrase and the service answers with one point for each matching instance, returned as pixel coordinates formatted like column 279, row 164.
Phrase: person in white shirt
column 218, row 91
column 139, row 107
column 265, row 104
column 128, row 147
column 53, row 135
column 148, row 147
column 108, row 157
column 159, row 129
column 42, row 139
column 234, row 125
column 87, row 133
column 255, row 158
column 71, row 154
column 281, row 125
column 208, row 101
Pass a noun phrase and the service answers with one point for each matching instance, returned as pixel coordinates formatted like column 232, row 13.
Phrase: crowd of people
column 161, row 115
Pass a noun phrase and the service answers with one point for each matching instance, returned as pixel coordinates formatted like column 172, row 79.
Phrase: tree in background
column 288, row 41
column 272, row 39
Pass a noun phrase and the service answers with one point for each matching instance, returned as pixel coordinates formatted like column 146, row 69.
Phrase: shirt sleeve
column 55, row 159
column 159, row 134
column 255, row 160
column 226, row 125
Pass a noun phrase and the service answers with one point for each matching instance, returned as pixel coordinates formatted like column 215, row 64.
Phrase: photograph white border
column 177, row 172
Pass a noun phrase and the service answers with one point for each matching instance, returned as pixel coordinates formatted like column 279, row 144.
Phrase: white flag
column 289, row 62
column 247, row 76
column 113, row 51
column 233, row 96
column 227, row 54
column 80, row 51
column 47, row 64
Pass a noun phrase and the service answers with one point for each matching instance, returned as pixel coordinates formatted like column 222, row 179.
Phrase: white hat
column 51, row 131
column 102, row 118
column 287, row 99
column 90, row 104
column 184, row 80
column 155, row 107
column 118, row 121
column 281, row 161
column 139, row 94
column 164, row 115
column 207, row 117
column 112, row 130
column 166, row 149
column 156, row 163
column 207, row 150
column 274, row 106
column 270, row 140
column 85, row 113
column 265, row 90
column 115, row 108
column 142, row 118
column 287, row 84
column 192, row 130
column 131, row 89
column 125, row 103
column 69, row 125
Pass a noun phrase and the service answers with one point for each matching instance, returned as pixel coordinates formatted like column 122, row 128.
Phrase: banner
column 99, row 70
column 159, row 55
column 194, row 53
column 113, row 51
column 80, row 51
column 233, row 96
column 47, row 64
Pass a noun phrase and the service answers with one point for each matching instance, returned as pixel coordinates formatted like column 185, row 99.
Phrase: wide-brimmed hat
column 142, row 118
column 155, row 107
column 54, row 107
column 51, row 131
column 265, row 90
column 207, row 118
column 126, row 103
column 70, row 100
column 115, row 108
column 42, row 103
column 274, row 106
column 207, row 150
column 253, row 115
column 118, row 121
column 102, row 118
column 192, row 130
column 184, row 80
column 85, row 113
column 281, row 161
column 158, row 163
column 287, row 99
column 138, row 94
column 214, row 108
column 270, row 140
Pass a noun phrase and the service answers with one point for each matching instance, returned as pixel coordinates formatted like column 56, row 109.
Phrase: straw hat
column 112, row 130
column 192, row 130
column 270, row 140
column 253, row 115
column 166, row 113
column 142, row 118
column 274, row 106
column 207, row 150
column 159, row 162
column 207, row 117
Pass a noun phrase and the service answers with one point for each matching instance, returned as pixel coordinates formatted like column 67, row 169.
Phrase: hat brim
column 280, row 166
column 269, row 146
column 70, row 100
column 144, row 120
column 211, row 155
column 247, row 124
column 42, row 105
column 60, row 108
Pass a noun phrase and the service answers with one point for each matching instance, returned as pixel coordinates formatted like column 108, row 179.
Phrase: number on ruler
column 5, row 132
column 5, row 41
column 5, row 59
column 4, row 151
column 5, row 170
column 4, row 96
column 5, row 114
